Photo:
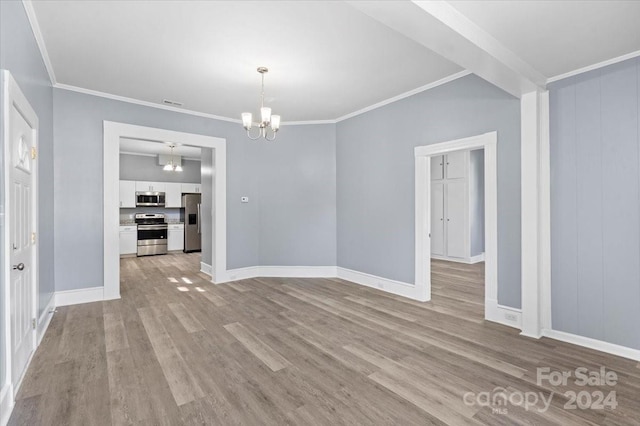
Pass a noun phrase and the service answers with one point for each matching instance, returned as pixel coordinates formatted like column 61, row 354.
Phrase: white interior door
column 437, row 219
column 456, row 225
column 22, row 125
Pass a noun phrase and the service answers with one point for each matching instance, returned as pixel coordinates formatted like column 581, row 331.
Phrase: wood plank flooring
column 177, row 349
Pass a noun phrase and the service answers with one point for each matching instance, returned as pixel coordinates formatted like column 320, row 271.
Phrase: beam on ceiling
column 443, row 29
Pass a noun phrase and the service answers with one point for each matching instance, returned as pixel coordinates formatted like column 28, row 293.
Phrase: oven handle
column 198, row 218
column 151, row 227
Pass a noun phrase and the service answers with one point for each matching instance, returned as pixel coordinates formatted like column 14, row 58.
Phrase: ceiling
column 326, row 58
column 557, row 37
column 138, row 146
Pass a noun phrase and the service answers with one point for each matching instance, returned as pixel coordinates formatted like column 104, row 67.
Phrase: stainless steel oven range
column 152, row 234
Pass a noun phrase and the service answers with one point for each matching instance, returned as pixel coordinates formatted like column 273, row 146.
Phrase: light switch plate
column 244, row 199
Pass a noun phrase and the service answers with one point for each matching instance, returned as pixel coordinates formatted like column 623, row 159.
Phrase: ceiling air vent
column 172, row 103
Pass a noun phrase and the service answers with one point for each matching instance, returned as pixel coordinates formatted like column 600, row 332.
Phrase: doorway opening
column 457, row 232
column 166, row 205
column 213, row 234
column 433, row 182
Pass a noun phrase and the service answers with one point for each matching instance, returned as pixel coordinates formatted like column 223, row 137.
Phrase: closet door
column 456, row 226
column 437, row 219
column 456, row 164
column 437, row 167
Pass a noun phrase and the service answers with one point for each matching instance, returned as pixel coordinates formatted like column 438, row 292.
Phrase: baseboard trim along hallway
column 598, row 345
column 81, row 295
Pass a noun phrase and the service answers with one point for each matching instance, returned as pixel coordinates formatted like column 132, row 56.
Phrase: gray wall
column 141, row 167
column 206, row 173
column 298, row 197
column 476, row 190
column 19, row 54
column 375, row 176
column 595, row 209
column 255, row 233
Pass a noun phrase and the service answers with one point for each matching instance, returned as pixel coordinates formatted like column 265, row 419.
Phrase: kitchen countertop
column 169, row 222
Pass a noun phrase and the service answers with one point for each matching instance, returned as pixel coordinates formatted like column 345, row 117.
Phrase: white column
column 535, row 211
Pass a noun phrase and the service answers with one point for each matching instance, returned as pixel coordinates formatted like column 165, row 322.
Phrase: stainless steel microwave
column 151, row 199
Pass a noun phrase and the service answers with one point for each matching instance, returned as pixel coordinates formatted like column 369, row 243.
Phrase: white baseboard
column 297, row 271
column 238, row 274
column 598, row 345
column 206, row 269
column 45, row 318
column 390, row 286
column 279, row 271
column 468, row 260
column 504, row 315
column 83, row 295
column 6, row 403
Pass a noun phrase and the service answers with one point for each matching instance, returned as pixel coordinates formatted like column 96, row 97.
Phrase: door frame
column 12, row 95
column 113, row 131
column 488, row 142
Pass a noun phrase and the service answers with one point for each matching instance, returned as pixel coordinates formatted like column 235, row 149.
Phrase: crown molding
column 594, row 66
column 306, row 122
column 139, row 154
column 406, row 94
column 285, row 123
column 35, row 28
column 145, row 154
column 143, row 103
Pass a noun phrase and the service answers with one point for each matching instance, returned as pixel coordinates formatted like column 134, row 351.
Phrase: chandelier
column 171, row 165
column 267, row 121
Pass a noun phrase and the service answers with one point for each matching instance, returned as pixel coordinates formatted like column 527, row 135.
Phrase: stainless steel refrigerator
column 190, row 215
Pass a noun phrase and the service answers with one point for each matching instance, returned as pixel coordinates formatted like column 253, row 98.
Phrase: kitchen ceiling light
column 266, row 119
column 171, row 166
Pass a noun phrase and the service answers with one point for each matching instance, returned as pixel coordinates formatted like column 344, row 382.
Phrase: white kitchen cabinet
column 146, row 186
column 175, row 237
column 457, row 207
column 127, row 193
column 190, row 188
column 173, row 195
column 128, row 239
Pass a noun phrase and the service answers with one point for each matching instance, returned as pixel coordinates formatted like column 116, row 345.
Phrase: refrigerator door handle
column 198, row 218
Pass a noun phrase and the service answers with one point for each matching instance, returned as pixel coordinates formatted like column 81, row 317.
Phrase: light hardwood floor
column 177, row 349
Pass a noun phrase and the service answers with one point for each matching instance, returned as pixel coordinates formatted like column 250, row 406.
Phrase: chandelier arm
column 267, row 137
column 257, row 136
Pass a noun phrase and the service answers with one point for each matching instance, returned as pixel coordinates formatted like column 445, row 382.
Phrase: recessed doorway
column 113, row 134
column 461, row 246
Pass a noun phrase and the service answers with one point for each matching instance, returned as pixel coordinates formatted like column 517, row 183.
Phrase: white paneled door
column 22, row 125
column 456, row 219
column 437, row 218
column 456, row 164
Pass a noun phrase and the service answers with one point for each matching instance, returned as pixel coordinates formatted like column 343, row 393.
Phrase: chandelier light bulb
column 247, row 120
column 265, row 114
column 275, row 122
